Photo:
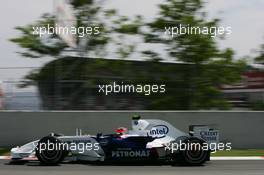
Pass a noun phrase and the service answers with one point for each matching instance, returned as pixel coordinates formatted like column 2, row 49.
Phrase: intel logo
column 158, row 131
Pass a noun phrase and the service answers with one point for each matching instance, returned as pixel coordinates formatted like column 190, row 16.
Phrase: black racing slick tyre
column 194, row 154
column 49, row 152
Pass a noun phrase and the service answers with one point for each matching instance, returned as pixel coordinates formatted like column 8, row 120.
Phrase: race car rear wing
column 205, row 132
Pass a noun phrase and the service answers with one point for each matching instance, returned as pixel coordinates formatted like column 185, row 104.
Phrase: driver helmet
column 121, row 130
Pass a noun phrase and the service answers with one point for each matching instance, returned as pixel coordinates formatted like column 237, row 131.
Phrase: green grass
column 239, row 152
column 4, row 151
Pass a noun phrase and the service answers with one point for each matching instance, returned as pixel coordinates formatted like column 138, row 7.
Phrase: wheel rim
column 194, row 155
column 50, row 155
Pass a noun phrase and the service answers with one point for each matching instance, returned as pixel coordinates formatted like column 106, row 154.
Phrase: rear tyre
column 49, row 151
column 194, row 155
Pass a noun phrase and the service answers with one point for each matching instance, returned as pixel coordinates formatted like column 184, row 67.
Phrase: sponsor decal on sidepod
column 158, row 131
column 139, row 153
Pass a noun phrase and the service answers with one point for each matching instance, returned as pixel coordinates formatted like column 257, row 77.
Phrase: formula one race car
column 149, row 140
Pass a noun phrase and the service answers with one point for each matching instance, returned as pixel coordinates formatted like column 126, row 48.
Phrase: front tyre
column 194, row 154
column 49, row 151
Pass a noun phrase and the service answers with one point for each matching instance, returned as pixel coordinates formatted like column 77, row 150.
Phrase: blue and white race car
column 149, row 140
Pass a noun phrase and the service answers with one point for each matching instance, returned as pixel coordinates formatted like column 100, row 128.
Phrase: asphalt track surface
column 252, row 167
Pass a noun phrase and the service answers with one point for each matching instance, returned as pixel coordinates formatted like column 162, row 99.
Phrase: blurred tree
column 199, row 83
column 211, row 68
column 260, row 57
column 87, row 12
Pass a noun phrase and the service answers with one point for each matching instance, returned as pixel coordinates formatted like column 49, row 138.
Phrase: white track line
column 238, row 158
column 212, row 158
column 5, row 157
column 9, row 158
